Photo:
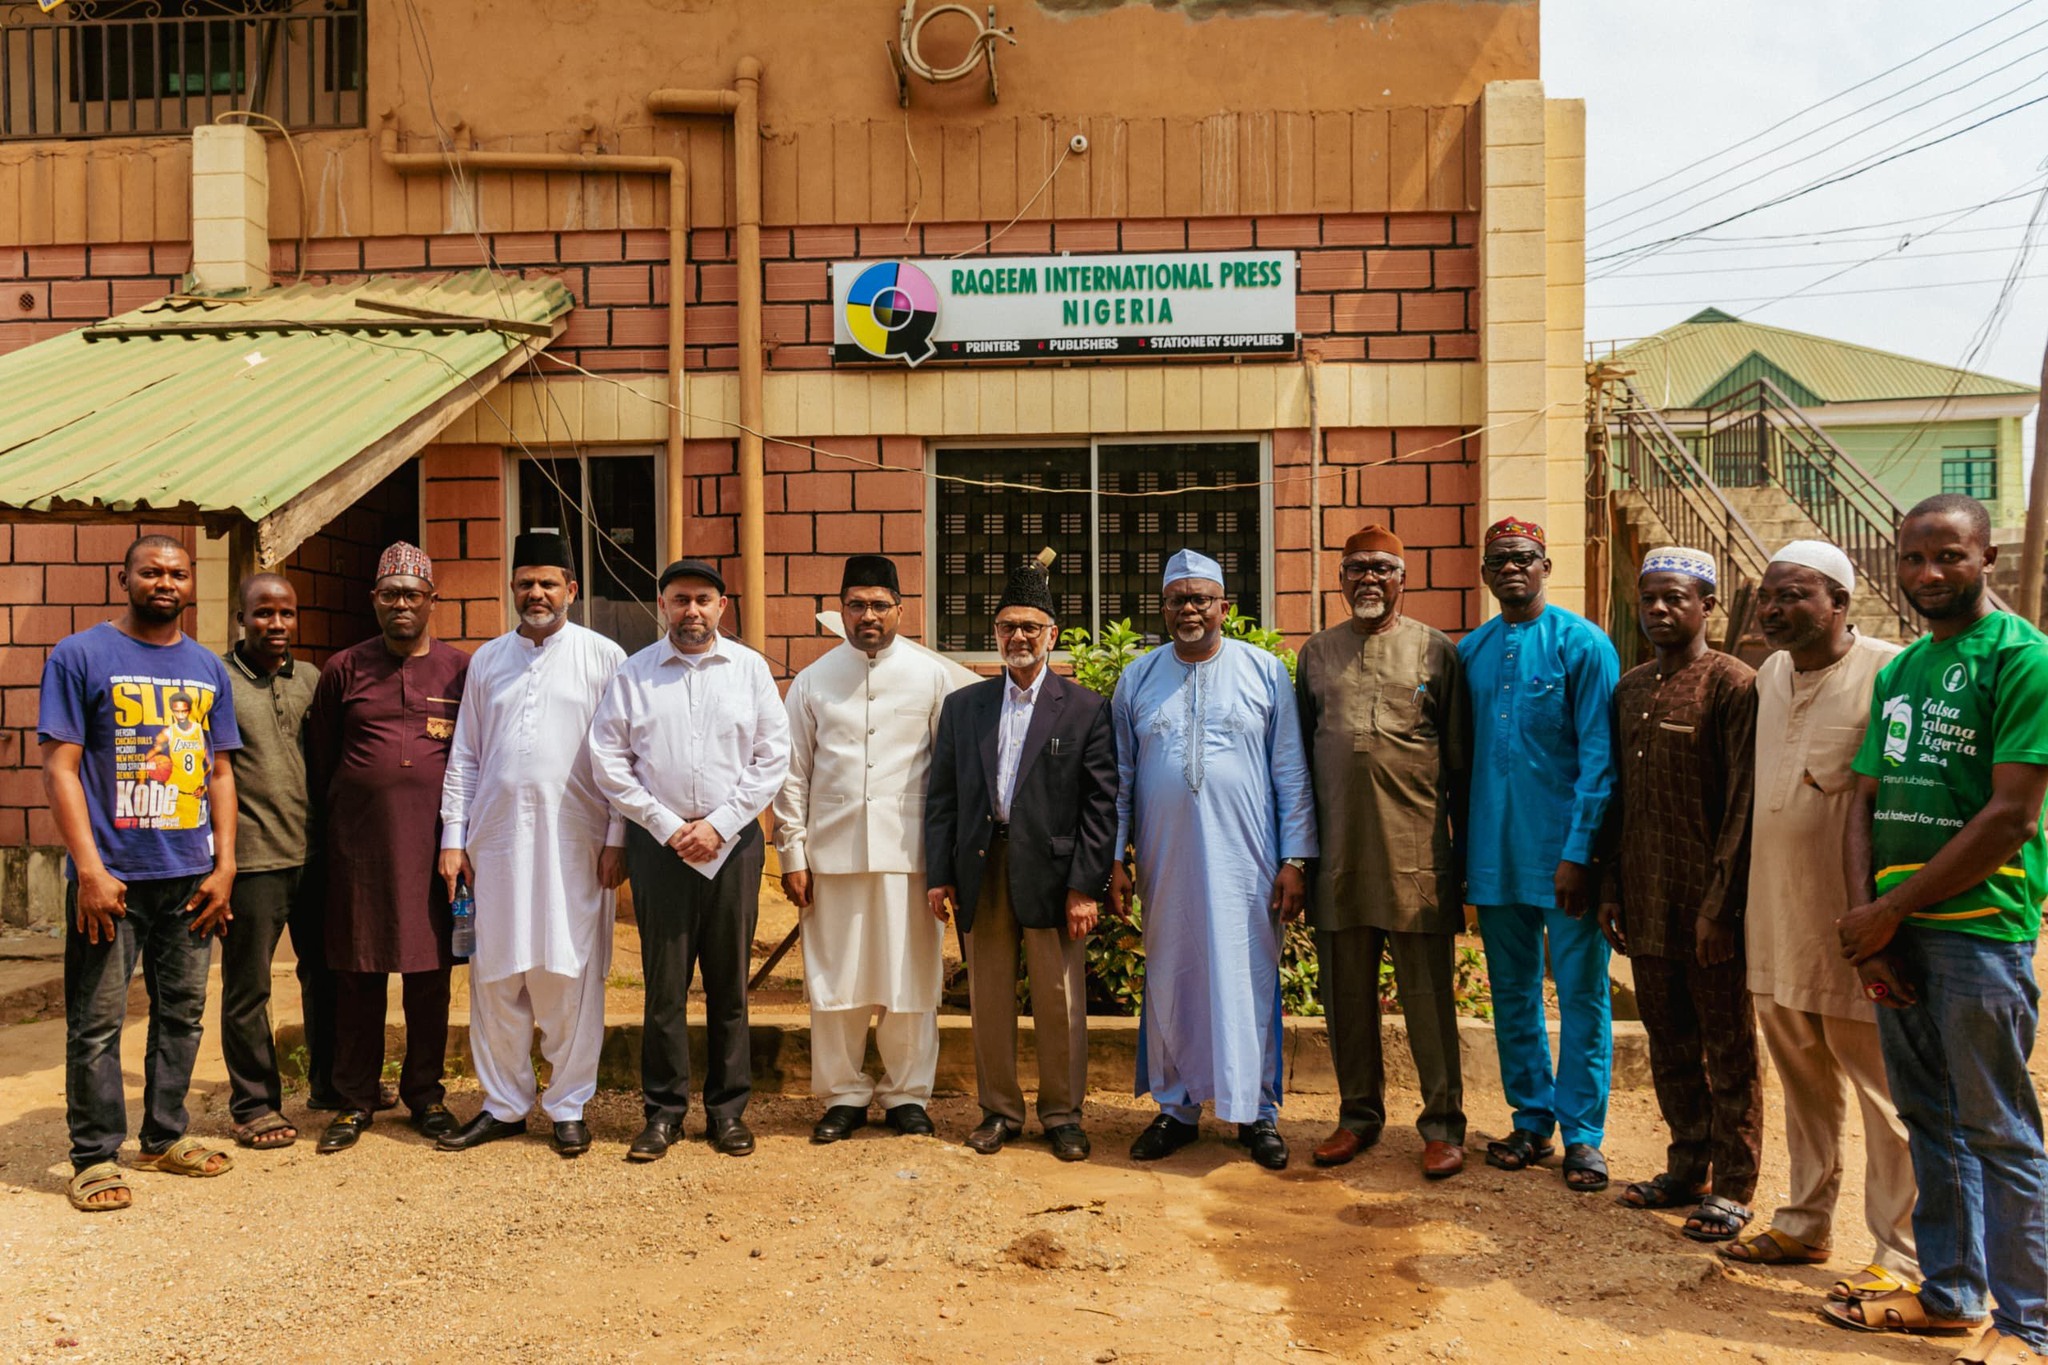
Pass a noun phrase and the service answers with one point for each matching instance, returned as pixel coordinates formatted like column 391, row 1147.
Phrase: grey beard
column 539, row 616
column 1369, row 611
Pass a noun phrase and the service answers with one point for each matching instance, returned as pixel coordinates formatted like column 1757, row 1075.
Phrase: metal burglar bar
column 124, row 68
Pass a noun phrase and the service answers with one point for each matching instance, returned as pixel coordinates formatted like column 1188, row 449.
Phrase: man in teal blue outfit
column 1541, row 683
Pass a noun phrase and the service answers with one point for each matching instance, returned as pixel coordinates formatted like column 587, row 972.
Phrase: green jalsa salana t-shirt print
column 1942, row 714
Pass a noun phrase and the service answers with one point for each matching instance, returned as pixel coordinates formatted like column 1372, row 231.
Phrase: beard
column 540, row 616
column 690, row 632
column 1021, row 658
column 1963, row 603
column 1369, row 609
column 155, row 612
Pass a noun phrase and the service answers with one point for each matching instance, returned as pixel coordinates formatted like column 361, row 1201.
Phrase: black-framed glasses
column 1200, row 601
column 1515, row 559
column 867, row 608
column 1029, row 630
column 1354, row 571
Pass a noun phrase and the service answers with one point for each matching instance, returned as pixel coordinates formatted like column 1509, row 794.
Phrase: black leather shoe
column 434, row 1121
column 655, row 1139
column 572, row 1137
column 1069, row 1143
column 1165, row 1136
column 839, row 1122
column 341, row 1134
column 995, row 1130
column 909, row 1119
column 730, row 1136
column 485, row 1127
column 1268, row 1148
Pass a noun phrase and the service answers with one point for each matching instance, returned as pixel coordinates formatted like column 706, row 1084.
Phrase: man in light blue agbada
column 1541, row 682
column 1214, row 789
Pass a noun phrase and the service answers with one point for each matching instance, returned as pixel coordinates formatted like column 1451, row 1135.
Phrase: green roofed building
column 1918, row 428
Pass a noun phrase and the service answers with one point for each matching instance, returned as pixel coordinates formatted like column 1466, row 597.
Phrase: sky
column 1685, row 102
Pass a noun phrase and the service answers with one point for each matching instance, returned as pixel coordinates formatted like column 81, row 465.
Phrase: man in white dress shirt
column 690, row 745
column 524, row 824
column 849, row 826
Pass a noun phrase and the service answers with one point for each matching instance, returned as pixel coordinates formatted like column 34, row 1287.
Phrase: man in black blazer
column 1020, row 827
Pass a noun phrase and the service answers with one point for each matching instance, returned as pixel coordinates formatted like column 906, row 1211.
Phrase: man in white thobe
column 691, row 744
column 524, row 823
column 850, row 831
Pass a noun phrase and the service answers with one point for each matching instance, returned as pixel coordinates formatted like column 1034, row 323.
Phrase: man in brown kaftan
column 1387, row 739
column 377, row 739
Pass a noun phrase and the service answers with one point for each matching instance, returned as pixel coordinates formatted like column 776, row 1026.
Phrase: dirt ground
column 880, row 1248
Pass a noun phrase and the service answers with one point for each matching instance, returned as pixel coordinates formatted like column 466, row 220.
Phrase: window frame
column 1967, row 458
column 1094, row 445
column 583, row 454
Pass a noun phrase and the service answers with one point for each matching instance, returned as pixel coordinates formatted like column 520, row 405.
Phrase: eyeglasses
column 1518, row 559
column 1029, row 630
column 1199, row 601
column 867, row 608
column 400, row 597
column 1370, row 569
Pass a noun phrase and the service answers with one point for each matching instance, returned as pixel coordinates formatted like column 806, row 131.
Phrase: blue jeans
column 157, row 930
column 1957, row 1061
column 1573, row 1098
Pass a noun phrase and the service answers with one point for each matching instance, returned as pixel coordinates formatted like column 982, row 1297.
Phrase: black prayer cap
column 869, row 571
column 691, row 568
column 1029, row 586
column 542, row 550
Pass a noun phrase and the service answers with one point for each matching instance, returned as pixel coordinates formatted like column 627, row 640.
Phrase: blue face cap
column 1191, row 564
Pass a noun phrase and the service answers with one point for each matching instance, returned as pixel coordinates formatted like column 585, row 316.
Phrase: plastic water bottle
column 463, row 940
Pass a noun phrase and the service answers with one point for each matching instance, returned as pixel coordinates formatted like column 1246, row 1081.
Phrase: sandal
column 1585, row 1170
column 1996, row 1348
column 187, row 1156
column 1772, row 1247
column 1717, row 1220
column 104, row 1178
column 1518, row 1151
column 1896, row 1312
column 1666, row 1191
column 266, row 1133
column 1873, row 1282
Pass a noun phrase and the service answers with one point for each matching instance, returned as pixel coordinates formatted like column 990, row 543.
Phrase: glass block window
column 1971, row 472
column 1112, row 545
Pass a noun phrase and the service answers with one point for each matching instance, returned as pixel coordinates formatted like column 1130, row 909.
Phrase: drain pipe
column 743, row 105
column 599, row 163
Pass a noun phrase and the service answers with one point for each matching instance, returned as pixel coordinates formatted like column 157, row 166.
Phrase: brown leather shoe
column 1340, row 1146
column 1442, row 1160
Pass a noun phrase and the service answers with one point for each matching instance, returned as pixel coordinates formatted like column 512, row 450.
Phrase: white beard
column 1370, row 611
column 539, row 617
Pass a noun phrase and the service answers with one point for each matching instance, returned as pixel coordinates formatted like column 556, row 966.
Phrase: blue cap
column 1191, row 564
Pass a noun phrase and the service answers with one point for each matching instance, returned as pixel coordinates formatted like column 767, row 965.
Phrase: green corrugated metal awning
column 1684, row 366
column 281, row 406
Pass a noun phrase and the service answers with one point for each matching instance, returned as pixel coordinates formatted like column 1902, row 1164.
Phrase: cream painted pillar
column 216, row 574
column 1532, row 320
column 230, row 208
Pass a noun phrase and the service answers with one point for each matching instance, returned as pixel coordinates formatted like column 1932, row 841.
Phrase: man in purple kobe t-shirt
column 136, row 723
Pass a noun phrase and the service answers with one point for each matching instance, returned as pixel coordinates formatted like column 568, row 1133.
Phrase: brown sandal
column 103, row 1178
column 1996, row 1348
column 1896, row 1312
column 265, row 1133
column 1873, row 1281
column 1772, row 1247
column 187, row 1156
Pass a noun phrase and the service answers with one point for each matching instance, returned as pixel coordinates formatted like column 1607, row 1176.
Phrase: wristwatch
column 1298, row 864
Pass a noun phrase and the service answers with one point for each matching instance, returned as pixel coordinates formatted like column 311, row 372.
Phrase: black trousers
column 1425, row 973
column 308, row 924
column 688, row 923
column 262, row 903
column 359, row 1038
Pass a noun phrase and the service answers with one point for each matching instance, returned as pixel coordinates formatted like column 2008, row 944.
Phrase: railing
column 1767, row 439
column 1651, row 460
column 126, row 68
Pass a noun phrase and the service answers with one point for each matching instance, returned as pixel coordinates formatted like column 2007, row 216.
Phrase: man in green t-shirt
column 1946, row 841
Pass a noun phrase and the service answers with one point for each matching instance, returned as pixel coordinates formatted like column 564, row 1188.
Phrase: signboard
column 1064, row 307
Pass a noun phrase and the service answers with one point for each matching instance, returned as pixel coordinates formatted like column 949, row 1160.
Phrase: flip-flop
column 1772, row 1247
column 1873, row 1281
column 99, row 1179
column 1898, row 1312
column 186, row 1156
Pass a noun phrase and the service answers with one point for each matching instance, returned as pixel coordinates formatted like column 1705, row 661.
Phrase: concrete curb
column 782, row 1054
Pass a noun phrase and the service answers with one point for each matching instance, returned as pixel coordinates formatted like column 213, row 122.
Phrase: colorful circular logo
column 892, row 310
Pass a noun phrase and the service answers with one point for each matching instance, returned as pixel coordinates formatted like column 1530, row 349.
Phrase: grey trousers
column 1425, row 974
column 1059, row 1005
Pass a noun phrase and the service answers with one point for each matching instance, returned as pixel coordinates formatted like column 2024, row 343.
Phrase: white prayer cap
column 1191, row 564
column 1822, row 557
column 1680, row 559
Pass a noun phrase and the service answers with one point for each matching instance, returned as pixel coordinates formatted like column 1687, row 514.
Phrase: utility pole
column 2037, row 512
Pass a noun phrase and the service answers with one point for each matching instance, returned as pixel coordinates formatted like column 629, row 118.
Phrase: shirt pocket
column 438, row 721
column 1828, row 758
column 1544, row 712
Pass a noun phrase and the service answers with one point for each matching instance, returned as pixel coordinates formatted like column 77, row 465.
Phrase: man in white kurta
column 850, row 833
column 1213, row 790
column 522, row 819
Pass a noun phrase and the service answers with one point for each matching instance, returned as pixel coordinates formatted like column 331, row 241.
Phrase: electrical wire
column 1825, row 294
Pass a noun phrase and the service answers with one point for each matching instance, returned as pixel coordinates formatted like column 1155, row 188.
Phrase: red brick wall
column 332, row 571
column 1373, row 286
column 464, row 510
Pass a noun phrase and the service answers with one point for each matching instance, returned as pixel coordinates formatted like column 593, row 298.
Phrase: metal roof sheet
column 1680, row 365
column 244, row 421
